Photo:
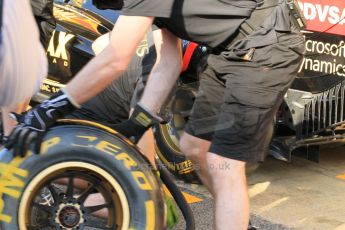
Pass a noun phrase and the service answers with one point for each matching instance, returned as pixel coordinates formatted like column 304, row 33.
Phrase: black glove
column 33, row 124
column 140, row 121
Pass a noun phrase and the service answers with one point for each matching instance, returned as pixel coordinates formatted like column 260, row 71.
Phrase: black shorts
column 237, row 100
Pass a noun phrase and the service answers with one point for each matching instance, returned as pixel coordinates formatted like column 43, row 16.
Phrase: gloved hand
column 140, row 121
column 33, row 124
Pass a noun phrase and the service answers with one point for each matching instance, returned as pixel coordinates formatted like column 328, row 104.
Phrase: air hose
column 178, row 197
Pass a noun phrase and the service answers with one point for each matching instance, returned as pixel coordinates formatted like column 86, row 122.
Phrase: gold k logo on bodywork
column 60, row 51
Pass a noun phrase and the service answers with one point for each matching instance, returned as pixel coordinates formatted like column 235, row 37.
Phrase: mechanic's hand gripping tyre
column 34, row 196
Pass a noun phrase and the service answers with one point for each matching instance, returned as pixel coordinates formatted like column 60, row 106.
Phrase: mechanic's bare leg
column 195, row 149
column 229, row 184
column 225, row 178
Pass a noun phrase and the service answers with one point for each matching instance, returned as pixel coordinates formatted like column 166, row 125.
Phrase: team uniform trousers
column 238, row 99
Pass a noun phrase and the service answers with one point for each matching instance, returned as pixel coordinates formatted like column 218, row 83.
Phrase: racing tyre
column 167, row 135
column 46, row 191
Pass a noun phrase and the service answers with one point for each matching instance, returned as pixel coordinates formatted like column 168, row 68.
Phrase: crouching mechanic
column 256, row 55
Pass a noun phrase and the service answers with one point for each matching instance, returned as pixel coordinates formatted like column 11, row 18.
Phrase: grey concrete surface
column 302, row 194
column 297, row 195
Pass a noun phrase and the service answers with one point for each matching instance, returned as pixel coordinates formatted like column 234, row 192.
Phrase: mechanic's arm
column 161, row 80
column 165, row 71
column 112, row 61
column 92, row 79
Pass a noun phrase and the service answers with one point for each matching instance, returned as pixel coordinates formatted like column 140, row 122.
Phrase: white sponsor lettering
column 323, row 13
column 316, row 50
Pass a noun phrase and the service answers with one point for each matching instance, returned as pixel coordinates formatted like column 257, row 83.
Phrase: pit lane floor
column 297, row 195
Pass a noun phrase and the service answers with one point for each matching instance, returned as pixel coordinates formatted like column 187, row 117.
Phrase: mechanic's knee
column 221, row 168
column 190, row 146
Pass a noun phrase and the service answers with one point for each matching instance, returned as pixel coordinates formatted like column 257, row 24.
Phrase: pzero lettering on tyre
column 110, row 167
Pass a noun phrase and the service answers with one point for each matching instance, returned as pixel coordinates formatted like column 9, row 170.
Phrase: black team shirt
column 201, row 21
column 215, row 22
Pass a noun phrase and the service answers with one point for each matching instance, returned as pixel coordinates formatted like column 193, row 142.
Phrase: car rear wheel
column 167, row 136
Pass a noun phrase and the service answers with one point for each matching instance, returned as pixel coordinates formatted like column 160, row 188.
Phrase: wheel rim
column 67, row 207
column 181, row 107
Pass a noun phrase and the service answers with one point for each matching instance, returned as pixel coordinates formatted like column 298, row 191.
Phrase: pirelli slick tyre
column 167, row 135
column 44, row 192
